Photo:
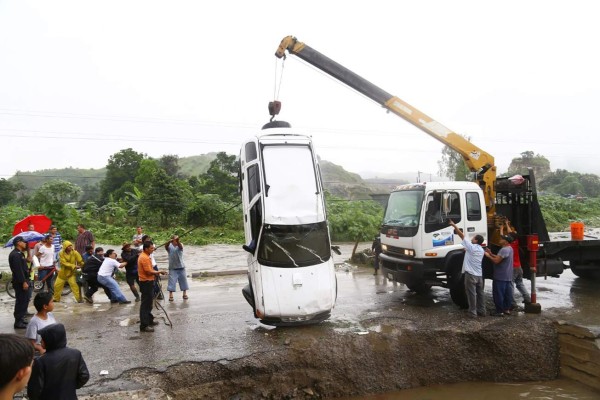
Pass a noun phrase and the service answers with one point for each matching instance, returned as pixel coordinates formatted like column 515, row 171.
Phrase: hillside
column 336, row 179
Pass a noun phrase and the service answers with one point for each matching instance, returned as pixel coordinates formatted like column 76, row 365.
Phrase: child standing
column 44, row 304
column 60, row 371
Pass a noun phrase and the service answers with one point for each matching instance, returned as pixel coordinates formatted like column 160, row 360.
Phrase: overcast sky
column 81, row 80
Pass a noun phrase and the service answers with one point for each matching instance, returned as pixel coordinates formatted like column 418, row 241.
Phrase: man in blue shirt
column 474, row 283
column 503, row 275
column 176, row 268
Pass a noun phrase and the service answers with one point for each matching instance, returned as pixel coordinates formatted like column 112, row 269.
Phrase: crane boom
column 479, row 162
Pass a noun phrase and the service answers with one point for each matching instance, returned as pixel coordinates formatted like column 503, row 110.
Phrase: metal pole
column 533, row 246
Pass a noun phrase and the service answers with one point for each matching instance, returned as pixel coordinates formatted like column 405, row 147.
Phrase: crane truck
column 419, row 248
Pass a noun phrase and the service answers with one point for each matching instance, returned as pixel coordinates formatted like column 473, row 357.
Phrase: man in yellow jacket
column 70, row 260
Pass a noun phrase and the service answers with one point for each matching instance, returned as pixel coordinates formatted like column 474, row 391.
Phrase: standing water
column 558, row 389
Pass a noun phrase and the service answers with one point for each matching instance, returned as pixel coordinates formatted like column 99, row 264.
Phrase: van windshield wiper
column 287, row 253
column 311, row 251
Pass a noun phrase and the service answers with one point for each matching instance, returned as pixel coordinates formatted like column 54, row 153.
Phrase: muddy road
column 380, row 338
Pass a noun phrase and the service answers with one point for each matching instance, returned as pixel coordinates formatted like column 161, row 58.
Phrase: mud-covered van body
column 290, row 267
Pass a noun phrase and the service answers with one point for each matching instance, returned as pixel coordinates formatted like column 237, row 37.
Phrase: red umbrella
column 40, row 223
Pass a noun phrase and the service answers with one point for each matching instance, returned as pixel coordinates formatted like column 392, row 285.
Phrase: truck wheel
column 584, row 272
column 457, row 289
column 459, row 296
column 419, row 288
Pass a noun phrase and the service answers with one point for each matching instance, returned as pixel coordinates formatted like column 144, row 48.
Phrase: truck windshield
column 403, row 208
column 291, row 246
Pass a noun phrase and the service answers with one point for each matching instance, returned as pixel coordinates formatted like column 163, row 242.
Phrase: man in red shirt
column 146, row 275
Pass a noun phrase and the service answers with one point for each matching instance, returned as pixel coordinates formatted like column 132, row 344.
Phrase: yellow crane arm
column 479, row 162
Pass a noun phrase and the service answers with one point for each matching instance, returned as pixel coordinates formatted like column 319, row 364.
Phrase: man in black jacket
column 20, row 281
column 90, row 272
column 60, row 371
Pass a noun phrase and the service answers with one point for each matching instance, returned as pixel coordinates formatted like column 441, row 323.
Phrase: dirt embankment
column 391, row 353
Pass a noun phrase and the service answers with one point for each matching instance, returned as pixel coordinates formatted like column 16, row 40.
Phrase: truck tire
column 420, row 287
column 583, row 272
column 457, row 288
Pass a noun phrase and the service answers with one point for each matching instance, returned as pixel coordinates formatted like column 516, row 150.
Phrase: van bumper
column 296, row 320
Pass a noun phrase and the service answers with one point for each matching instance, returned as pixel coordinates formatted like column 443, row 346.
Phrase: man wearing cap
column 503, row 273
column 20, row 281
column 45, row 253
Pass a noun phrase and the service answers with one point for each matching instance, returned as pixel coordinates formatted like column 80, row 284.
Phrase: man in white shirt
column 474, row 283
column 45, row 254
column 105, row 274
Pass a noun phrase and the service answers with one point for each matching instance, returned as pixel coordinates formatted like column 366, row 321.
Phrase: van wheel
column 249, row 296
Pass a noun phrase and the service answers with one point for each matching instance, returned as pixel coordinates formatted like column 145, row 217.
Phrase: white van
column 290, row 267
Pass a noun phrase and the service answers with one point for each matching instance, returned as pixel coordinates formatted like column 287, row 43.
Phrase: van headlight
column 384, row 247
column 409, row 252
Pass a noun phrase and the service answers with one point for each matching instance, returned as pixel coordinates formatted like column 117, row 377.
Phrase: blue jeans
column 113, row 287
column 503, row 296
column 48, row 283
column 518, row 283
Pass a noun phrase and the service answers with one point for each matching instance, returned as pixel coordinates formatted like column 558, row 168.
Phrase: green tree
column 591, row 184
column 52, row 198
column 452, row 165
column 146, row 172
column 570, row 185
column 170, row 163
column 121, row 169
column 353, row 220
column 8, row 192
column 221, row 178
column 166, row 196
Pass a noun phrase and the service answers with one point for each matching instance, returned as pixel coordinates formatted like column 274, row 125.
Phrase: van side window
column 473, row 206
column 255, row 220
column 250, row 151
column 253, row 181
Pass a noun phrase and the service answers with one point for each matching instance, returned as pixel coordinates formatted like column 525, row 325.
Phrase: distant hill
column 336, row 179
column 196, row 165
column 78, row 176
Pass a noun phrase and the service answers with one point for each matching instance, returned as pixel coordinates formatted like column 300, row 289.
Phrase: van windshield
column 291, row 246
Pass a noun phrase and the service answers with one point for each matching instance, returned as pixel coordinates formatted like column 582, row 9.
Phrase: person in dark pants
column 131, row 269
column 503, row 276
column 60, row 371
column 147, row 275
column 90, row 273
column 20, row 281
column 376, row 247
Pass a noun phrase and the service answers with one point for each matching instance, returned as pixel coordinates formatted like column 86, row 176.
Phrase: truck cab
column 290, row 266
column 419, row 247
